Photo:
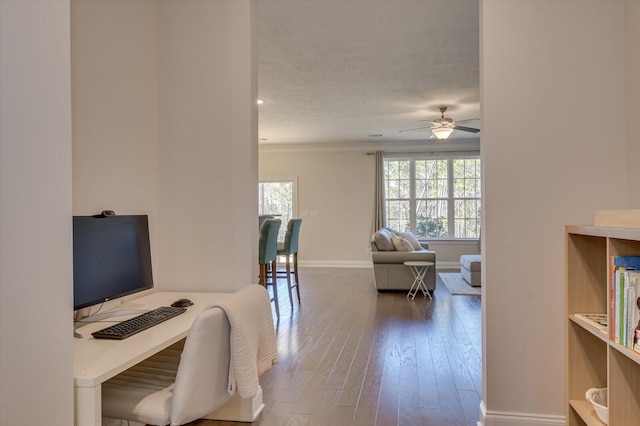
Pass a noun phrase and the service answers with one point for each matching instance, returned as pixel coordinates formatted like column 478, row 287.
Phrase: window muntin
column 435, row 198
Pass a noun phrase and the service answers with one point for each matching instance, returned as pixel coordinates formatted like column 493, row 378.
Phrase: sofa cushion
column 401, row 244
column 409, row 236
column 382, row 238
column 471, row 262
column 391, row 231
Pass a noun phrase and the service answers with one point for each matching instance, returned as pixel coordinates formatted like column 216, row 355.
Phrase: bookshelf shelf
column 586, row 413
column 589, row 328
column 593, row 359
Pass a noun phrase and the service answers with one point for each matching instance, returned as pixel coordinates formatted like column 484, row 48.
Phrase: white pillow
column 382, row 238
column 401, row 244
column 409, row 236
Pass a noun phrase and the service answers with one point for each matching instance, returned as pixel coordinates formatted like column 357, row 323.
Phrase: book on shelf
column 626, row 262
column 633, row 306
column 624, row 300
column 617, row 263
column 598, row 321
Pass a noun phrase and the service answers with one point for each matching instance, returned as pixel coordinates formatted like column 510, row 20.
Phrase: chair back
column 203, row 373
column 268, row 244
column 291, row 237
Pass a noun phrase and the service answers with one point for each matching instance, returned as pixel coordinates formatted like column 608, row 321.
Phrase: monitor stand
column 100, row 317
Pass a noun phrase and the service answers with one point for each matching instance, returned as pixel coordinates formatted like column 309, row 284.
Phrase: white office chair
column 177, row 385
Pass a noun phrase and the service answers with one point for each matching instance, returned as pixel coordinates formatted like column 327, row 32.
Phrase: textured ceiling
column 338, row 71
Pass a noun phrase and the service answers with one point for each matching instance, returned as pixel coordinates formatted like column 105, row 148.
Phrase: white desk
column 97, row 360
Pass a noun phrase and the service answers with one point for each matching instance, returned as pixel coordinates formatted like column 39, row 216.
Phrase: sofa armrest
column 402, row 256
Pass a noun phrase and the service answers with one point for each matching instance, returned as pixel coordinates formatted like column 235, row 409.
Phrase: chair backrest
column 203, row 372
column 268, row 244
column 291, row 237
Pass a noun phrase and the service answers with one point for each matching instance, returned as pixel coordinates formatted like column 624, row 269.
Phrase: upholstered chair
column 267, row 255
column 289, row 249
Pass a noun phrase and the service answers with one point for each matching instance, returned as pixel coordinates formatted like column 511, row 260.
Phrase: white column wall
column 208, row 177
column 165, row 124
column 36, row 385
column 550, row 72
column 632, row 92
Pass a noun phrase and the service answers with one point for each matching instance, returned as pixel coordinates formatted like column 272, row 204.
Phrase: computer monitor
column 111, row 258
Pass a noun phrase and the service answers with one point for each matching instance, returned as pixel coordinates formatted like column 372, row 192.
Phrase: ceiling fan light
column 442, row 132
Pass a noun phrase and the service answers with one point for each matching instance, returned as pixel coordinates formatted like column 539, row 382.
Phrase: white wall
column 36, row 299
column 632, row 92
column 114, row 64
column 549, row 70
column 339, row 186
column 165, row 124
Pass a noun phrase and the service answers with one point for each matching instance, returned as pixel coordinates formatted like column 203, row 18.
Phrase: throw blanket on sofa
column 253, row 338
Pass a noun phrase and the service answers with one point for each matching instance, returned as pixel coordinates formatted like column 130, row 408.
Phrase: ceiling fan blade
column 466, row 129
column 417, row 128
column 429, row 121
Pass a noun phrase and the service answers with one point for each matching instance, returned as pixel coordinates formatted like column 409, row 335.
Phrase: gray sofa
column 389, row 270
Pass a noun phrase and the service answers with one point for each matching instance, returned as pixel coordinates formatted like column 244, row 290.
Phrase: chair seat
column 143, row 393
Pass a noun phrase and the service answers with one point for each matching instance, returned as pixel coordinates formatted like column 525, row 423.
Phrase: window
column 434, row 197
column 277, row 197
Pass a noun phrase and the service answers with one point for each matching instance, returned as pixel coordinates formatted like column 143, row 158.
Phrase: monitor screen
column 111, row 258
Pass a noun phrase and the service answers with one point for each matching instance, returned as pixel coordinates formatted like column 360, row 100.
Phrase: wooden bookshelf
column 593, row 359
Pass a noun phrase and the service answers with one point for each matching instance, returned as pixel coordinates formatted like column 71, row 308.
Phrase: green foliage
column 431, row 227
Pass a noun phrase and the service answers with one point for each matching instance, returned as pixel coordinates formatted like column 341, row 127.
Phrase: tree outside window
column 434, row 198
column 277, row 197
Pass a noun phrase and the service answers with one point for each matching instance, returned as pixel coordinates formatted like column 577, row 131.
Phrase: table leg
column 88, row 406
column 419, row 273
column 425, row 291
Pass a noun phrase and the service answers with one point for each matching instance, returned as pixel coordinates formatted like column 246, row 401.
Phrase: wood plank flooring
column 352, row 356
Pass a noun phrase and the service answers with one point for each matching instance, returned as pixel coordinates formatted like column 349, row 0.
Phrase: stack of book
column 624, row 300
column 598, row 321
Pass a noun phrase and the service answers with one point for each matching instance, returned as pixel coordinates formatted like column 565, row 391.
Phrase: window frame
column 294, row 196
column 450, row 156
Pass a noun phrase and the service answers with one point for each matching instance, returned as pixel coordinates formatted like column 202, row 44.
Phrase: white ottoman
column 470, row 268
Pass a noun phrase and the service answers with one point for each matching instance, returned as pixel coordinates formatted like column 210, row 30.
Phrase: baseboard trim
column 448, row 265
column 335, row 264
column 363, row 264
column 503, row 418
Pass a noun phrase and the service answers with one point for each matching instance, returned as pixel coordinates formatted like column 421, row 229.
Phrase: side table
column 419, row 270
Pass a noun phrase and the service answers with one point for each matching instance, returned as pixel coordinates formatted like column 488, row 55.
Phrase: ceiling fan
column 444, row 126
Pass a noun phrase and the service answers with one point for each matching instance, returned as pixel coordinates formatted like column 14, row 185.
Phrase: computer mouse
column 182, row 303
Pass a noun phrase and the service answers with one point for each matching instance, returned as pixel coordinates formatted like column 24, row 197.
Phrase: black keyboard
column 135, row 325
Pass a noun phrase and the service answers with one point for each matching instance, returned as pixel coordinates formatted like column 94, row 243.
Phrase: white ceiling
column 337, row 71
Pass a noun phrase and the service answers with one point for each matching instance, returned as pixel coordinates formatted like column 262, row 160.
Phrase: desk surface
column 97, row 360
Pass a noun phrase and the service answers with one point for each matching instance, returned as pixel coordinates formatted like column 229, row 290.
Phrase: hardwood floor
column 352, row 356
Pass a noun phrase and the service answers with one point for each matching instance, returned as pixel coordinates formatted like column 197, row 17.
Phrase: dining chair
column 267, row 255
column 289, row 248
